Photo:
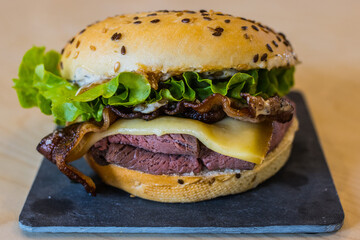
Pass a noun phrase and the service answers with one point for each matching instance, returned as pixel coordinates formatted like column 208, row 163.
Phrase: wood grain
column 325, row 35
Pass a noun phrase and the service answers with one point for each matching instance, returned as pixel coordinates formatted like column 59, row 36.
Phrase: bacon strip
column 57, row 146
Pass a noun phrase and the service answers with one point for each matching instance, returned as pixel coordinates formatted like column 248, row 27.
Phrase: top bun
column 166, row 43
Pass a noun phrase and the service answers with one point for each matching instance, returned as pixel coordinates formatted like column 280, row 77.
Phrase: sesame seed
column 243, row 19
column 137, row 22
column 187, row 11
column 220, row 14
column 237, row 175
column 219, row 29
column 205, row 14
column 217, row 34
column 116, row 66
column 155, row 21
column 275, row 43
column 283, row 35
column 165, row 11
column 152, row 14
column 227, row 20
column 62, row 51
column 76, row 54
column 123, row 50
column 185, row 20
column 136, row 18
column 255, row 27
column 77, row 44
column 61, row 65
column 92, row 47
column 180, row 181
column 264, row 57
column 286, row 43
column 202, row 11
column 207, row 18
column 72, row 40
column 256, row 58
column 104, row 30
column 68, row 54
column 246, row 36
column 269, row 47
column 244, row 27
column 116, row 36
column 278, row 38
column 252, row 21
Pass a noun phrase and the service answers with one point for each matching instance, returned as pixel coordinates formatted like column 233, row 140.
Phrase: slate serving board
column 301, row 197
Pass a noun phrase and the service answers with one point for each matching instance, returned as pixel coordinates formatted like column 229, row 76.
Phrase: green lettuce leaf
column 40, row 85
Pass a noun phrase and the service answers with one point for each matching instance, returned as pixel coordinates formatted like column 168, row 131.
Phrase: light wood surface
column 325, row 35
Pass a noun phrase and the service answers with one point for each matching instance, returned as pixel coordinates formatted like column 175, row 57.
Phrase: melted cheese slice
column 230, row 137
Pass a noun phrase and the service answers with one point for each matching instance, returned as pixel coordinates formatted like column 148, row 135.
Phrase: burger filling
column 95, row 110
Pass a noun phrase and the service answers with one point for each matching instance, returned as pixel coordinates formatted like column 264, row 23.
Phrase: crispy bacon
column 57, row 146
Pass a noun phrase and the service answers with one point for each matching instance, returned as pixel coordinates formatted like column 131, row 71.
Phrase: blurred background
column 325, row 35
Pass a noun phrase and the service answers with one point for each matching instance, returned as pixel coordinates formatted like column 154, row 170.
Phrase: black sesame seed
column 256, row 58
column 246, row 36
column 207, row 18
column 152, row 14
column 275, row 43
column 244, row 27
column 82, row 31
column 243, row 19
column 165, row 11
column 260, row 25
column 217, row 34
column 219, row 29
column 62, row 51
column 227, row 20
column 238, row 175
column 116, row 36
column 220, row 14
column 202, row 11
column 61, row 65
column 269, row 47
column 286, row 43
column 180, row 181
column 155, row 21
column 205, row 14
column 283, row 35
column 136, row 18
column 72, row 40
column 137, row 22
column 252, row 21
column 255, row 27
column 192, row 12
column 263, row 57
column 278, row 38
column 123, row 50
column 185, row 20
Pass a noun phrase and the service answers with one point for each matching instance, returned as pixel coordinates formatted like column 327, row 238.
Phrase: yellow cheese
column 230, row 137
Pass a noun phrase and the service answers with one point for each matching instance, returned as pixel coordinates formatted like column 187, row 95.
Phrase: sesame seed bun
column 172, row 42
column 172, row 188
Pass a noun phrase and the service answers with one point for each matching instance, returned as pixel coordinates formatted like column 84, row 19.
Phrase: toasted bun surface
column 171, row 43
column 170, row 188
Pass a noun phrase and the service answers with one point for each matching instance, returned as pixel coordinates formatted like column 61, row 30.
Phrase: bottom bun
column 194, row 188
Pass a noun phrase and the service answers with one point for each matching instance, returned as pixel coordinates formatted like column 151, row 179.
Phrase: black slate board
column 299, row 198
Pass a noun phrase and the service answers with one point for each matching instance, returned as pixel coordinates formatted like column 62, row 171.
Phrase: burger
column 170, row 106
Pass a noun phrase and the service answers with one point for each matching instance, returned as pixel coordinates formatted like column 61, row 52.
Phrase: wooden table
column 325, row 35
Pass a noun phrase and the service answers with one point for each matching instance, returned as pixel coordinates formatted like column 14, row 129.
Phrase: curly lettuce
column 39, row 84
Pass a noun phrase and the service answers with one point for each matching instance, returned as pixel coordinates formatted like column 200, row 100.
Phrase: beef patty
column 170, row 153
